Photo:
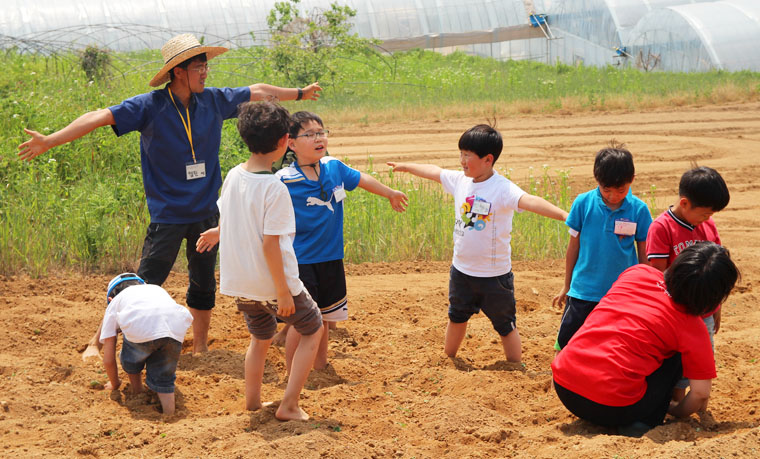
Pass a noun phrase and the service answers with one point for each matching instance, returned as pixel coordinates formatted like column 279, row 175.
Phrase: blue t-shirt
column 165, row 148
column 319, row 208
column 603, row 255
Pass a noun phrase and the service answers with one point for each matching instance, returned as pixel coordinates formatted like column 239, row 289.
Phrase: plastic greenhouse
column 673, row 35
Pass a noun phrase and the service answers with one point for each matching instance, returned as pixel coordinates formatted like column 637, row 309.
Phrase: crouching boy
column 153, row 326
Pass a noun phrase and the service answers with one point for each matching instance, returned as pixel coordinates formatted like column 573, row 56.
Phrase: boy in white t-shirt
column 484, row 203
column 257, row 262
column 153, row 326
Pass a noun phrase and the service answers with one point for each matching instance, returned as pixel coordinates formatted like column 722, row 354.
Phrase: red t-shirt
column 668, row 236
column 626, row 338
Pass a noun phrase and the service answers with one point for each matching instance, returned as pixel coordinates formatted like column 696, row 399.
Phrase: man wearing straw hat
column 180, row 129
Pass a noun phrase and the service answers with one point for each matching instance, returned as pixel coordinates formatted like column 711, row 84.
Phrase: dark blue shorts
column 159, row 358
column 574, row 316
column 495, row 296
column 160, row 249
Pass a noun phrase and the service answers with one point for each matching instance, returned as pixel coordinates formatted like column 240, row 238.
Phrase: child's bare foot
column 91, row 351
column 258, row 406
column 200, row 349
column 291, row 415
column 109, row 386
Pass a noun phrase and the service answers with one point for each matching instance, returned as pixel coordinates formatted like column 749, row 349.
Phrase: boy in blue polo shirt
column 608, row 227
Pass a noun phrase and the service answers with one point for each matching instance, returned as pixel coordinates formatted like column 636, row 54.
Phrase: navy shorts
column 159, row 358
column 260, row 316
column 495, row 296
column 160, row 249
column 326, row 283
column 573, row 318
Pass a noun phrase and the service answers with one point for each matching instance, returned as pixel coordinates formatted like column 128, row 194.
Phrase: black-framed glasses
column 315, row 135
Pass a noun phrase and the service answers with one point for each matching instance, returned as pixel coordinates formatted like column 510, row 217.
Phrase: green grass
column 82, row 206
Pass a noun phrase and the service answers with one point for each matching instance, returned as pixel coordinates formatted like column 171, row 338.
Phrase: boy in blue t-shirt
column 317, row 184
column 603, row 223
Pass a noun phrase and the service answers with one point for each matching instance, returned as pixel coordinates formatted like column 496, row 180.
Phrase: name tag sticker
column 481, row 208
column 340, row 193
column 625, row 228
column 195, row 170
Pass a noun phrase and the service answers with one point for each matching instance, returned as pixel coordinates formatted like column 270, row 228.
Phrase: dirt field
column 390, row 391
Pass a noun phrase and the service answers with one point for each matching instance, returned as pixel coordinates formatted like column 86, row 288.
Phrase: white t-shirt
column 483, row 226
column 250, row 206
column 145, row 313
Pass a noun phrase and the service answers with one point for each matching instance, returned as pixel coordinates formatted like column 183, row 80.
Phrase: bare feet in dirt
column 258, row 406
column 291, row 415
column 91, row 352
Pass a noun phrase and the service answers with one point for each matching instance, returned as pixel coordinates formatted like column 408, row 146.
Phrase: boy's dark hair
column 298, row 119
column 482, row 140
column 613, row 166
column 704, row 187
column 262, row 125
column 186, row 63
column 701, row 277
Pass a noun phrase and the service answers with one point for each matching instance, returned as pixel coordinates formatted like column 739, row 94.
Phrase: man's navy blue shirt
column 165, row 149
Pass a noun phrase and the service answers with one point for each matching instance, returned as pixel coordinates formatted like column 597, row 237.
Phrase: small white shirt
column 145, row 313
column 483, row 227
column 250, row 206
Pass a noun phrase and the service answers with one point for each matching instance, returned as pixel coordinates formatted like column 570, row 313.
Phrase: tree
column 305, row 47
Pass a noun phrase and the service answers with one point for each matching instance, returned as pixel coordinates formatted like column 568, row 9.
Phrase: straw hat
column 179, row 49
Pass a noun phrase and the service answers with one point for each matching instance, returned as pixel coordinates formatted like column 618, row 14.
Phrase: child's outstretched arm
column 398, row 200
column 109, row 362
column 571, row 257
column 207, row 240
column 541, row 206
column 428, row 171
column 273, row 257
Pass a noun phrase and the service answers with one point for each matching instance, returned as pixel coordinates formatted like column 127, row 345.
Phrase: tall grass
column 82, row 205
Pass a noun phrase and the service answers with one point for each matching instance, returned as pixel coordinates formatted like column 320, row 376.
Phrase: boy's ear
column 283, row 142
column 684, row 203
column 489, row 156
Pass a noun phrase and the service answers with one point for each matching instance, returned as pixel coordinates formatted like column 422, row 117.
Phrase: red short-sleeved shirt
column 626, row 338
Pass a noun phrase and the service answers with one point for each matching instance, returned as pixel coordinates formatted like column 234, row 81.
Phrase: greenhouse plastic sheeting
column 700, row 37
column 50, row 25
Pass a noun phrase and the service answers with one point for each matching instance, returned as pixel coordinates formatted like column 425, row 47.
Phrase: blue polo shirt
column 165, row 149
column 603, row 255
column 319, row 212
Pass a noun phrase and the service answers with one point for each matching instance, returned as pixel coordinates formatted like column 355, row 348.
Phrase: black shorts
column 326, row 283
column 160, row 249
column 495, row 296
column 573, row 318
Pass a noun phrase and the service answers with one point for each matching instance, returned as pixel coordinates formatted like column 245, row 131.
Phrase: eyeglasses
column 315, row 135
column 202, row 69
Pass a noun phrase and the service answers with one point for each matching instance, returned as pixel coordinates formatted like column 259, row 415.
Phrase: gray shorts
column 260, row 316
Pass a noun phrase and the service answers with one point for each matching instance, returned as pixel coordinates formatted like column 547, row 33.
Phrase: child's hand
column 560, row 299
column 110, row 386
column 207, row 240
column 398, row 167
column 398, row 201
column 285, row 305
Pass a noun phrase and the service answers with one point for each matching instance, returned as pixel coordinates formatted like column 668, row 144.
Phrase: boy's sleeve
column 132, row 114
column 348, row 175
column 279, row 217
column 575, row 216
column 658, row 241
column 450, row 179
column 643, row 223
column 513, row 195
column 110, row 326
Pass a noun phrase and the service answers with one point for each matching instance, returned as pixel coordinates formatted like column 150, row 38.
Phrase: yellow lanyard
column 188, row 126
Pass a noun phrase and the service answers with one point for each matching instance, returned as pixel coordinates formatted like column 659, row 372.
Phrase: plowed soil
column 389, row 390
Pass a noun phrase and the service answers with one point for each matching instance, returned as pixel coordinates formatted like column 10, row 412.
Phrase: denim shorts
column 160, row 249
column 261, row 322
column 159, row 358
column 495, row 296
column 573, row 318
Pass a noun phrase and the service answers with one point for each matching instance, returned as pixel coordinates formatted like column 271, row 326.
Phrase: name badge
column 481, row 208
column 195, row 170
column 625, row 228
column 339, row 193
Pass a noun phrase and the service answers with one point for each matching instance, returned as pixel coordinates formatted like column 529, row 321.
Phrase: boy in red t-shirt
column 702, row 192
